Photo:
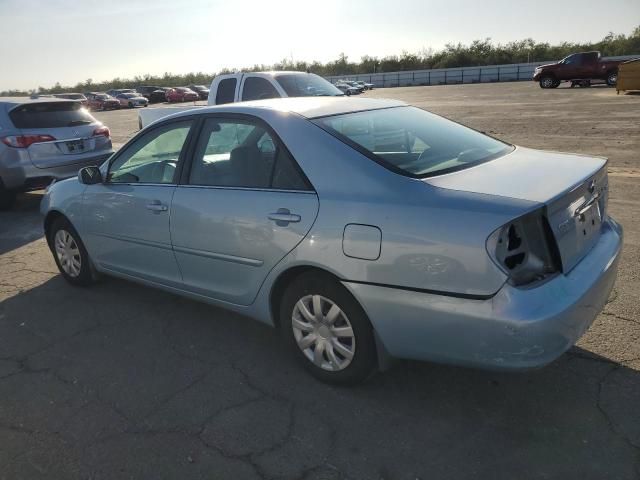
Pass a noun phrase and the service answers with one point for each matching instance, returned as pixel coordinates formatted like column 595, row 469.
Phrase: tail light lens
column 23, row 141
column 102, row 131
column 525, row 249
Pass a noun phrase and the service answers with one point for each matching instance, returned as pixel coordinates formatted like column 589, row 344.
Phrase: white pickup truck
column 242, row 87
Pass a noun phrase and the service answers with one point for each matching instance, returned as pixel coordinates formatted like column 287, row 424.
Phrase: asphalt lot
column 121, row 381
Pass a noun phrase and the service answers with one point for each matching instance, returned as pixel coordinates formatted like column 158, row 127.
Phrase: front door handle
column 284, row 217
column 157, row 206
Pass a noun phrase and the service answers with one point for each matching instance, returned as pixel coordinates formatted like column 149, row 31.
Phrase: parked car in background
column 353, row 84
column 114, row 92
column 365, row 85
column 101, row 101
column 241, row 87
column 46, row 139
column 132, row 100
column 73, row 96
column 181, row 94
column 153, row 94
column 201, row 90
column 360, row 228
column 578, row 66
column 347, row 89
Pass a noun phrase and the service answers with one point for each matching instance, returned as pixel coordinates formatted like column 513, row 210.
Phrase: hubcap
column 547, row 82
column 613, row 78
column 68, row 253
column 323, row 333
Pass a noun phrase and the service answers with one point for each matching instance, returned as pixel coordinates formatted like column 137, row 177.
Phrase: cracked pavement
column 121, row 381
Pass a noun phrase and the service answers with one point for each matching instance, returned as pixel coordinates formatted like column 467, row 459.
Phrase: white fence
column 447, row 76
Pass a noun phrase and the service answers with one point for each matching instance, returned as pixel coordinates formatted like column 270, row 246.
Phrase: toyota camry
column 362, row 229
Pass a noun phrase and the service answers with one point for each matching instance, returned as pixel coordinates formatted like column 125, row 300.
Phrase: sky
column 68, row 41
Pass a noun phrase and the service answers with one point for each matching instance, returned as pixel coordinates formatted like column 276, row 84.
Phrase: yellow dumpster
column 628, row 76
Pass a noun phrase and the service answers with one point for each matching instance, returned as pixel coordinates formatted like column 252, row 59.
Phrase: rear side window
column 50, row 115
column 256, row 88
column 226, row 91
column 239, row 153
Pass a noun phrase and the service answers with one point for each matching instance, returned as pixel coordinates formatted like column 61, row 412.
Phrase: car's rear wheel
column 547, row 82
column 612, row 79
column 69, row 253
column 7, row 197
column 130, row 105
column 327, row 330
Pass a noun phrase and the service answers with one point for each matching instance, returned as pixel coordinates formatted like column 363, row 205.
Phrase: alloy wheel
column 68, row 253
column 323, row 333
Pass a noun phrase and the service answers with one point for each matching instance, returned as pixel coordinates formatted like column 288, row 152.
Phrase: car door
column 243, row 206
column 572, row 67
column 127, row 216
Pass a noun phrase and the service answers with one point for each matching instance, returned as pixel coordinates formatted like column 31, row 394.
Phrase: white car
column 132, row 100
column 242, row 87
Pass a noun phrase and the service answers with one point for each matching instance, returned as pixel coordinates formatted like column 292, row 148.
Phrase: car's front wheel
column 69, row 253
column 548, row 82
column 327, row 329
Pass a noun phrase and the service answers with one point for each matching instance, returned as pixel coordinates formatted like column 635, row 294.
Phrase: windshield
column 309, row 85
column 413, row 142
column 102, row 96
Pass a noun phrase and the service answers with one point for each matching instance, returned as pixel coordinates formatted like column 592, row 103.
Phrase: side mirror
column 90, row 176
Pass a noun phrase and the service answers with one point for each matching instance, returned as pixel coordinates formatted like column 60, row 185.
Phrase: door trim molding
column 252, row 262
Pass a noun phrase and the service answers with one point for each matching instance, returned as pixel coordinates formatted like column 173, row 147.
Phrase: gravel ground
column 122, row 381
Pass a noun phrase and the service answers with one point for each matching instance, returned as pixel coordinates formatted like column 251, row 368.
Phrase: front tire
column 547, row 82
column 130, row 105
column 327, row 330
column 69, row 253
column 612, row 78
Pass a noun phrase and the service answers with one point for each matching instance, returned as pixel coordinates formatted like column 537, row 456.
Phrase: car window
column 573, row 59
column 306, row 85
column 50, row 115
column 413, row 142
column 257, row 88
column 153, row 158
column 238, row 153
column 226, row 91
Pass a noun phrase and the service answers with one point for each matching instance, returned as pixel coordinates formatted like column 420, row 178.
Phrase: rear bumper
column 18, row 172
column 515, row 329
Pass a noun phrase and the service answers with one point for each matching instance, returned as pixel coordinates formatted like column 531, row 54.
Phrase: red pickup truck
column 577, row 67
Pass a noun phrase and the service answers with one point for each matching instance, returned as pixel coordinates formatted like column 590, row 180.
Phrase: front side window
column 153, row 158
column 226, row 91
column 257, row 88
column 239, row 153
column 413, row 142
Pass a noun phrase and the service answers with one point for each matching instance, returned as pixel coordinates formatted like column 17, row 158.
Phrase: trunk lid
column 68, row 123
column 573, row 189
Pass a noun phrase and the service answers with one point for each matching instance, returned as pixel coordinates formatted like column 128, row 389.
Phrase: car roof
column 23, row 100
column 308, row 107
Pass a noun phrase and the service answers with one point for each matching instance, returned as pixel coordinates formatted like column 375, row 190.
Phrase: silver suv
column 46, row 139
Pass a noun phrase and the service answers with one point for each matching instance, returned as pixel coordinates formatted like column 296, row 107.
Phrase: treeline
column 478, row 53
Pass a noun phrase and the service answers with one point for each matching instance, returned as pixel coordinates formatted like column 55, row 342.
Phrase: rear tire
column 130, row 105
column 327, row 330
column 612, row 78
column 7, row 197
column 69, row 253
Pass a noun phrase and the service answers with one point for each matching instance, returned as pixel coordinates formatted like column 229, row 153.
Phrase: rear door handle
column 284, row 217
column 157, row 206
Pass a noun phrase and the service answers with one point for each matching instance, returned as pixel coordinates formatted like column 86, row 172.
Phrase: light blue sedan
column 363, row 229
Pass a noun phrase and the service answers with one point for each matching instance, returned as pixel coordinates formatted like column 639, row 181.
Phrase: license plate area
column 75, row 146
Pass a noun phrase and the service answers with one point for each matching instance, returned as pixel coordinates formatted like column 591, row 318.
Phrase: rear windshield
column 309, row 85
column 413, row 142
column 50, row 115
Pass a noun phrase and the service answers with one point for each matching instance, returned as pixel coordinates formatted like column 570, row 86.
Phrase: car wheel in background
column 69, row 253
column 327, row 329
column 7, row 197
column 548, row 82
column 612, row 79
column 130, row 105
